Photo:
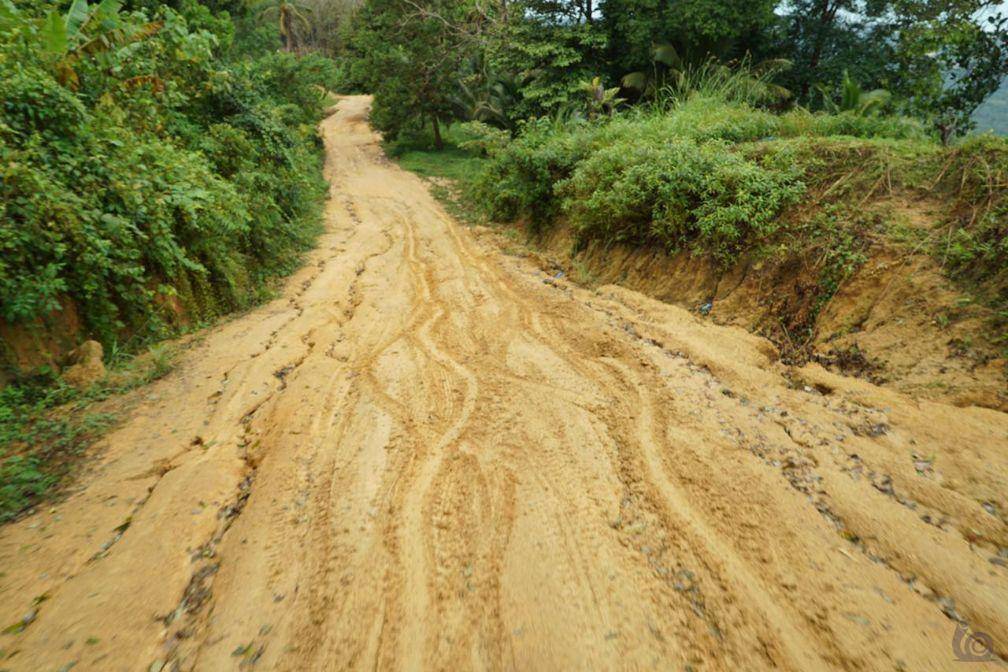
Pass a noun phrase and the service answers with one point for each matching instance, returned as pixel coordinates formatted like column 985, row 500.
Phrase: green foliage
column 940, row 60
column 551, row 49
column 141, row 174
column 483, row 138
column 409, row 55
column 802, row 122
column 506, row 63
column 22, row 481
column 741, row 82
column 598, row 99
column 838, row 235
column 695, row 29
column 30, row 437
column 677, row 193
column 724, row 179
column 976, row 245
column 518, row 181
column 852, row 99
column 45, row 425
column 145, row 178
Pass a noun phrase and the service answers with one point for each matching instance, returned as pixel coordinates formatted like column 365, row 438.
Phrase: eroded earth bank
column 430, row 455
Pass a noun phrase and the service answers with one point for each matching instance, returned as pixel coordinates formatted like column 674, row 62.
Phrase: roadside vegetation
column 147, row 178
column 757, row 131
column 159, row 167
column 720, row 178
column 47, row 424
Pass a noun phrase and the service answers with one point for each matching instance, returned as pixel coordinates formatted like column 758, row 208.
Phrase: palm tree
column 292, row 20
column 853, row 99
column 665, row 63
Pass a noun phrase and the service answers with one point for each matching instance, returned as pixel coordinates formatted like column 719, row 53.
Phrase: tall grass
column 743, row 82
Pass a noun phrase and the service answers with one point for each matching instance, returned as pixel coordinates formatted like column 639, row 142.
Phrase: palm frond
column 666, row 54
column 637, row 81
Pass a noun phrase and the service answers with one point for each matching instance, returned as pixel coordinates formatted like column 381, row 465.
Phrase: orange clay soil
column 898, row 321
column 430, row 455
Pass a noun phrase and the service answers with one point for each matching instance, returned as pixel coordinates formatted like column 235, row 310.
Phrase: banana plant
column 62, row 34
column 86, row 30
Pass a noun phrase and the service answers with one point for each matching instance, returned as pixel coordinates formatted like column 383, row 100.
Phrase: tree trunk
column 285, row 40
column 438, row 141
column 827, row 14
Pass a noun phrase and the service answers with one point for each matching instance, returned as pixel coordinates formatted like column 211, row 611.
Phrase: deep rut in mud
column 430, row 455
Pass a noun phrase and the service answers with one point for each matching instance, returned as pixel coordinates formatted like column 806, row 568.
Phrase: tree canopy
column 431, row 61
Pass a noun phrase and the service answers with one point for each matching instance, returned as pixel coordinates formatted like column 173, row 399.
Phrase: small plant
column 743, row 82
column 855, row 101
column 598, row 99
column 45, row 425
column 160, row 361
column 582, row 274
column 22, row 481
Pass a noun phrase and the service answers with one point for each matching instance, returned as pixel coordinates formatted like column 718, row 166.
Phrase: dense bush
column 801, row 122
column 155, row 167
column 723, row 179
column 142, row 173
column 677, row 192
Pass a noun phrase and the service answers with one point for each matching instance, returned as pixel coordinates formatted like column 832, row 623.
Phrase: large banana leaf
column 667, row 55
column 76, row 17
column 54, row 34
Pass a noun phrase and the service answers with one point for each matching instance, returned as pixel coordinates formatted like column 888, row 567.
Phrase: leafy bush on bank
column 150, row 175
column 142, row 175
column 724, row 179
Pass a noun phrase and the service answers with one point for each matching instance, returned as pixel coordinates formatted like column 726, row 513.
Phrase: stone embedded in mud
column 86, row 366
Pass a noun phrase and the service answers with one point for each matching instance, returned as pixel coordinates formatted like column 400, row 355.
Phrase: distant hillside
column 993, row 114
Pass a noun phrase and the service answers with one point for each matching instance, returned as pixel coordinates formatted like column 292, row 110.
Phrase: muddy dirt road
column 428, row 454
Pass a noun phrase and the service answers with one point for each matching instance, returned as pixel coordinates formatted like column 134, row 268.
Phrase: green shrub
column 33, row 102
column 724, row 179
column 676, row 193
column 150, row 166
column 518, row 180
column 801, row 122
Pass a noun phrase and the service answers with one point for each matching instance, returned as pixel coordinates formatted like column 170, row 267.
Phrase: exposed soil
column 428, row 454
column 898, row 321
column 41, row 342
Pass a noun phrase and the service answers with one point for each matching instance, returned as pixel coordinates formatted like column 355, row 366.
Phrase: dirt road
column 428, row 454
